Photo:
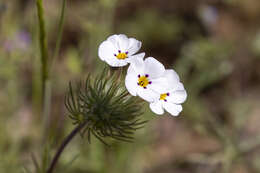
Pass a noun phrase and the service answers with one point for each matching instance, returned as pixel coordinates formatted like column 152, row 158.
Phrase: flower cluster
column 146, row 78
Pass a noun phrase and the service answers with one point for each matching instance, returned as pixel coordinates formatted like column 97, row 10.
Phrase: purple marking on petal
column 168, row 94
column 165, row 100
column 114, row 54
column 119, row 51
column 138, row 83
column 145, row 87
column 126, row 52
column 146, row 75
column 139, row 76
column 150, row 82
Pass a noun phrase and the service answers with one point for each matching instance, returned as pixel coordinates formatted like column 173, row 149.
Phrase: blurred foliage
column 146, row 23
column 213, row 45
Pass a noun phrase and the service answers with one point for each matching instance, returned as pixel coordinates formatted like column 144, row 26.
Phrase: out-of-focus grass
column 213, row 47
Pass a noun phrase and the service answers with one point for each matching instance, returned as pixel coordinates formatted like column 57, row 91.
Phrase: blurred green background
column 214, row 45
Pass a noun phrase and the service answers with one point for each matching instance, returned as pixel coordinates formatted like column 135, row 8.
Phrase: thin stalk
column 60, row 31
column 45, row 81
column 46, row 65
column 65, row 142
column 43, row 44
column 46, row 108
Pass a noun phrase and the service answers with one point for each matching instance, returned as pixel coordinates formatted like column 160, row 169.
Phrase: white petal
column 153, row 67
column 114, row 62
column 156, row 107
column 147, row 94
column 131, row 84
column 179, row 86
column 137, row 63
column 172, row 77
column 123, row 42
column 117, row 63
column 134, row 46
column 106, row 50
column 159, row 85
column 173, row 109
column 131, row 70
column 176, row 87
column 178, row 96
column 134, row 58
column 114, row 40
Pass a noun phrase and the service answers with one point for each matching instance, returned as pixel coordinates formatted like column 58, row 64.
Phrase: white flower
column 118, row 50
column 170, row 98
column 144, row 77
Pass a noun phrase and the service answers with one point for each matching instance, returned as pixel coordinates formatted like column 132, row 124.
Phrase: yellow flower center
column 163, row 96
column 121, row 55
column 143, row 81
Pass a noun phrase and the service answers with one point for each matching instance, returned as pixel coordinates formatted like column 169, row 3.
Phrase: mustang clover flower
column 118, row 50
column 145, row 77
column 106, row 108
column 162, row 88
column 170, row 98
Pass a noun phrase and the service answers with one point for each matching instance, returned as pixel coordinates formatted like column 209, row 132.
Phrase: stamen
column 163, row 96
column 121, row 55
column 143, row 81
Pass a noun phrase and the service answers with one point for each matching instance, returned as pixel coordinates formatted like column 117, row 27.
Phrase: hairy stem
column 65, row 142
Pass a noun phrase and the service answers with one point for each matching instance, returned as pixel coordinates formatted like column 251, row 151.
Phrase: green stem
column 46, row 83
column 46, row 70
column 60, row 31
column 43, row 45
column 46, row 108
column 65, row 142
